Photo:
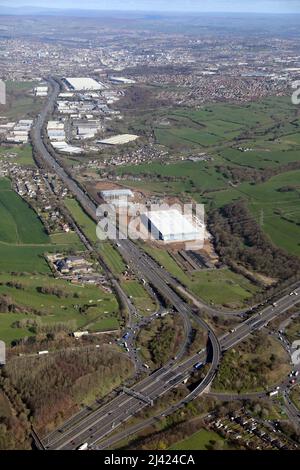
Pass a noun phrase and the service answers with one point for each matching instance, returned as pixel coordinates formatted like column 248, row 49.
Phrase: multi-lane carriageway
column 93, row 426
column 102, row 422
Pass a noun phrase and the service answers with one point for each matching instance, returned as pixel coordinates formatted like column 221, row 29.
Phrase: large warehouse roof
column 115, row 193
column 119, row 139
column 82, row 83
column 169, row 225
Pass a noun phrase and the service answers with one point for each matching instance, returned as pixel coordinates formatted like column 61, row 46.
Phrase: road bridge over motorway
column 140, row 260
column 96, row 425
column 138, row 395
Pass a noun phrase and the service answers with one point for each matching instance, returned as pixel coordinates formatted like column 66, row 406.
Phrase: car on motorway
column 198, row 365
column 83, row 446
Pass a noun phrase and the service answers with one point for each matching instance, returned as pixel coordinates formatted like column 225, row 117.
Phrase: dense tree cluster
column 14, row 418
column 161, row 339
column 251, row 366
column 53, row 386
column 239, row 238
column 8, row 305
column 60, row 293
column 241, row 173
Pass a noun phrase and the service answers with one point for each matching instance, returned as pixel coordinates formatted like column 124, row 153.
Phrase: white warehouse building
column 83, row 83
column 111, row 194
column 170, row 225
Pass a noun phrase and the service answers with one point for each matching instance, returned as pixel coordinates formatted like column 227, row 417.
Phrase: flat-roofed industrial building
column 111, row 194
column 83, row 83
column 119, row 139
column 170, row 225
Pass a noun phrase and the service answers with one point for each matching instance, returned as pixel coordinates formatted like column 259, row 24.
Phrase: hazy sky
column 272, row 6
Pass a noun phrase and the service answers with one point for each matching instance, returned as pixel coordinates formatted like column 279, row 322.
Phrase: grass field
column 89, row 307
column 277, row 211
column 23, row 240
column 201, row 440
column 20, row 104
column 191, row 176
column 140, row 297
column 233, row 290
column 70, row 238
column 295, row 395
column 270, row 131
column 19, row 223
column 88, row 226
column 112, row 258
column 21, row 155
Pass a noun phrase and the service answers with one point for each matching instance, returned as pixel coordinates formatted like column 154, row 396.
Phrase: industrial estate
column 149, row 232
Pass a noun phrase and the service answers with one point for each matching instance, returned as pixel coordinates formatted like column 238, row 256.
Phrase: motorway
column 89, row 207
column 96, row 425
column 145, row 268
column 105, row 420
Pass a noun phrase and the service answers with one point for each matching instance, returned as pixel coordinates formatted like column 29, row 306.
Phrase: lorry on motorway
column 198, row 365
column 84, row 446
column 41, row 353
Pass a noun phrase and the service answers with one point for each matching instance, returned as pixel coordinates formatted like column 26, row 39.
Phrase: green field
column 20, row 155
column 201, row 440
column 233, row 289
column 88, row 226
column 20, row 104
column 79, row 307
column 70, row 238
column 140, row 297
column 23, row 240
column 295, row 396
column 19, row 223
column 277, row 211
column 215, row 124
column 112, row 258
column 253, row 141
column 191, row 176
